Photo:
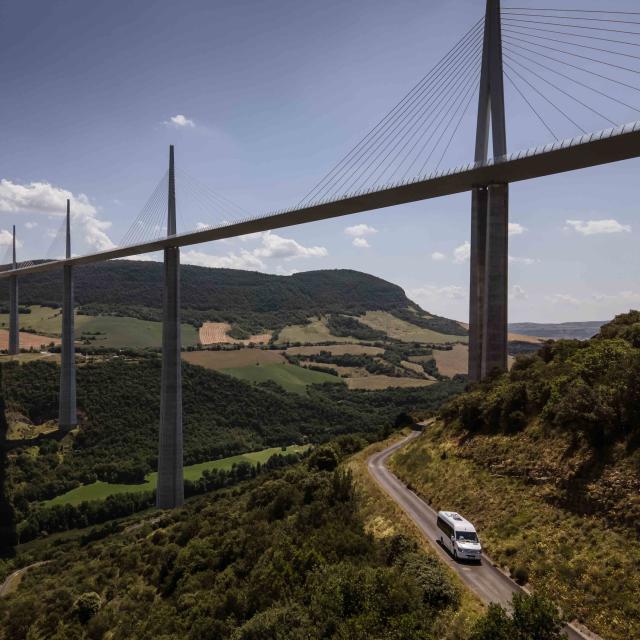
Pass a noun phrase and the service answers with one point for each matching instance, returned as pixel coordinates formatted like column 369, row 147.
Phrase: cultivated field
column 376, row 383
column 452, row 362
column 217, row 333
column 112, row 331
column 290, row 377
column 233, row 358
column 101, row 490
column 405, row 331
column 27, row 340
column 315, row 331
column 337, row 350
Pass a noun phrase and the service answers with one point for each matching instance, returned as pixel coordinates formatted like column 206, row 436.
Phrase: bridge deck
column 591, row 150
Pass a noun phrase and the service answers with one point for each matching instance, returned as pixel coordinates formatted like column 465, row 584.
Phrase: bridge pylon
column 67, row 413
column 488, row 299
column 14, row 318
column 170, row 490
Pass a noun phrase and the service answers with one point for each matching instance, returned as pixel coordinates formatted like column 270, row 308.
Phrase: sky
column 261, row 99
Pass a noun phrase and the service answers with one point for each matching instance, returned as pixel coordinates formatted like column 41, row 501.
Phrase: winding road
column 485, row 580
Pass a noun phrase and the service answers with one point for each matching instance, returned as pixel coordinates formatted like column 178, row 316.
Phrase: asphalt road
column 487, row 582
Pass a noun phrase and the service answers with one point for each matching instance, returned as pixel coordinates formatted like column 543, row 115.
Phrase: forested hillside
column 545, row 460
column 285, row 556
column 118, row 404
column 253, row 300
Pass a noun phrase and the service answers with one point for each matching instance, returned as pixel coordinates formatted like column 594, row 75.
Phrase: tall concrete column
column 477, row 280
column 489, row 208
column 14, row 318
column 496, row 287
column 170, row 492
column 67, row 415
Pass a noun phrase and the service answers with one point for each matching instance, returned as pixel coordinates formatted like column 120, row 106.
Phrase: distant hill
column 250, row 300
column 560, row 331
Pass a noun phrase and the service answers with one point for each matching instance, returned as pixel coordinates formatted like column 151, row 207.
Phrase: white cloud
column 516, row 229
column 563, row 298
column 201, row 226
column 597, row 227
column 242, row 260
column 6, row 238
column 436, row 256
column 181, row 121
column 462, row 253
column 518, row 293
column 434, row 293
column 361, row 243
column 272, row 246
column 275, row 246
column 45, row 198
column 360, row 230
column 516, row 260
column 30, row 225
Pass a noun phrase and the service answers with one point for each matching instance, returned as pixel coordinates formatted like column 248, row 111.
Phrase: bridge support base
column 170, row 492
column 14, row 336
column 67, row 415
column 488, row 290
column 496, row 287
column 477, row 280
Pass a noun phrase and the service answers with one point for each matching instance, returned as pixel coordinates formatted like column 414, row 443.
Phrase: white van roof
column 456, row 521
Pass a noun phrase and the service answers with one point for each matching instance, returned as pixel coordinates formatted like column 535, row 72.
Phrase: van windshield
column 469, row 536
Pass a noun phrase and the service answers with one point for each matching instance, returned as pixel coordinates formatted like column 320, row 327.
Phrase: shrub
column 87, row 605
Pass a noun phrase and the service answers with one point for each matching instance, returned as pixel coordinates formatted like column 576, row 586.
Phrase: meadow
column 231, row 358
column 100, row 490
column 103, row 331
column 290, row 377
column 405, row 331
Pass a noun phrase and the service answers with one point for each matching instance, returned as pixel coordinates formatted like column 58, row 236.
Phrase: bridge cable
column 566, row 93
column 448, row 91
column 460, row 83
column 625, row 13
column 450, row 74
column 577, row 55
column 578, row 82
column 573, row 44
column 382, row 124
column 532, row 86
column 535, row 111
column 571, row 26
column 572, row 35
column 540, row 15
column 593, row 73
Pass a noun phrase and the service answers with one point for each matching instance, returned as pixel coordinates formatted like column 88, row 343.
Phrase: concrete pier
column 67, row 414
column 496, row 287
column 477, row 280
column 488, row 300
column 170, row 492
column 14, row 318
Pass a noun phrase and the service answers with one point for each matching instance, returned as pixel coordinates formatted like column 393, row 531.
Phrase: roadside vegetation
column 545, row 461
column 286, row 554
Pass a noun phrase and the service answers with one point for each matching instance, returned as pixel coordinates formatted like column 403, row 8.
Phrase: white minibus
column 458, row 536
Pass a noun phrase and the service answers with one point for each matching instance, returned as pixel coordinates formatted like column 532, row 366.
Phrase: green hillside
column 118, row 405
column 290, row 377
column 545, row 461
column 249, row 300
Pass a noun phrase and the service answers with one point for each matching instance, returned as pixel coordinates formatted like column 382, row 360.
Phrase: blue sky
column 271, row 95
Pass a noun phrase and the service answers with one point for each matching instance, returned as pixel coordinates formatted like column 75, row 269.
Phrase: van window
column 445, row 527
column 469, row 536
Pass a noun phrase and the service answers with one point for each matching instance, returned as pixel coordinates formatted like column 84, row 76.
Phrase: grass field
column 337, row 350
column 375, row 383
column 405, row 331
column 289, row 376
column 451, row 362
column 315, row 331
column 233, row 358
column 101, row 490
column 114, row 331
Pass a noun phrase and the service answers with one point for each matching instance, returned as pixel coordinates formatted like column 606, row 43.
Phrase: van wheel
column 455, row 555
